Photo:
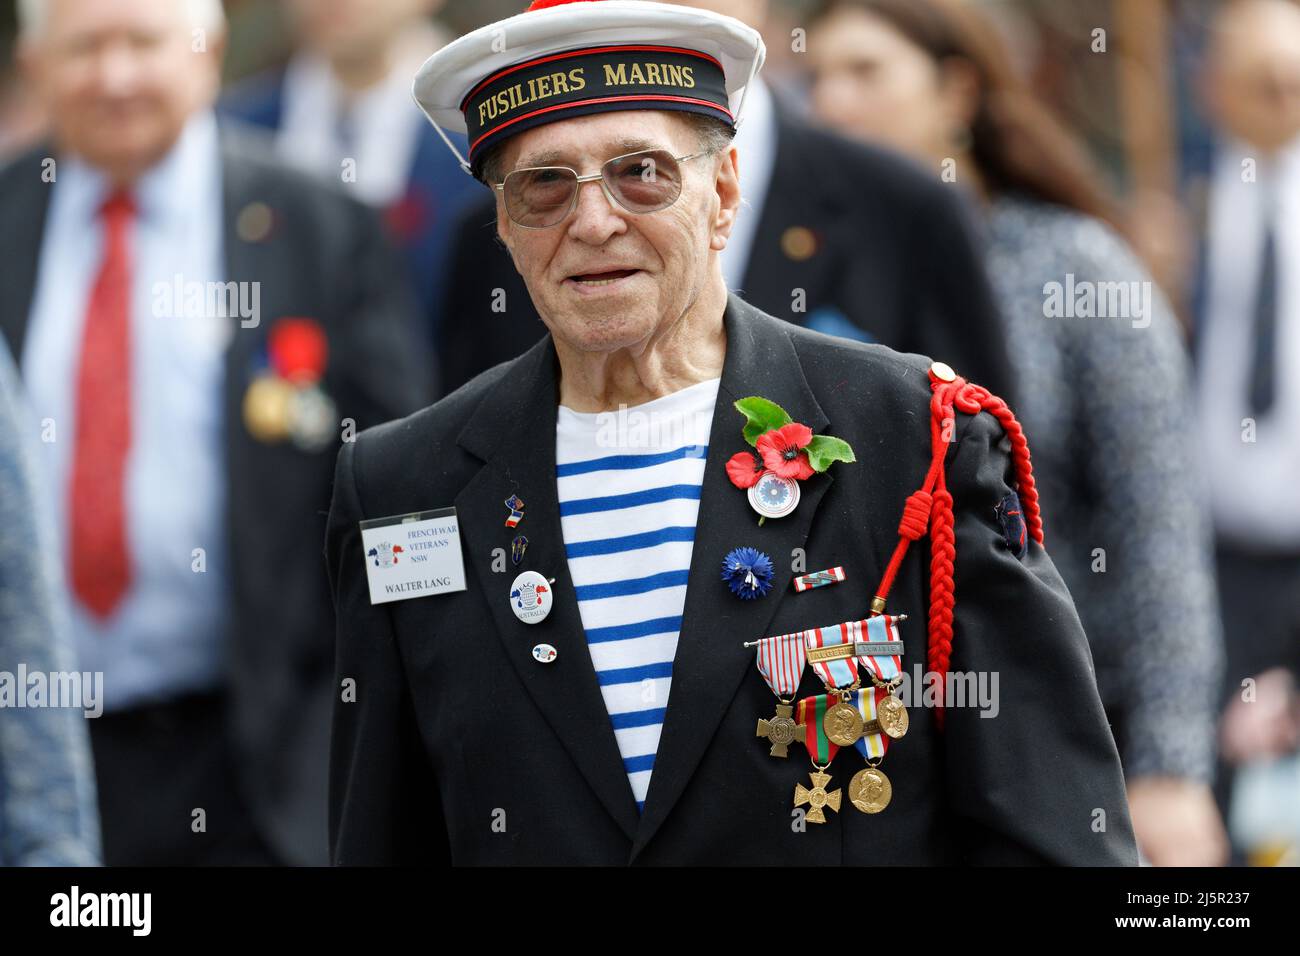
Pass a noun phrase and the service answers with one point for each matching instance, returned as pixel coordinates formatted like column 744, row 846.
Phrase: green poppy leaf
column 761, row 416
column 825, row 449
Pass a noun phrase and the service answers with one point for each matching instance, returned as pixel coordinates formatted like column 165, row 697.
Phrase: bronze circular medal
column 892, row 716
column 870, row 790
column 843, row 724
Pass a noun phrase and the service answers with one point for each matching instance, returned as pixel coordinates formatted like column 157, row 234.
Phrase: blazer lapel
column 23, row 220
column 513, row 430
column 245, row 261
column 710, row 660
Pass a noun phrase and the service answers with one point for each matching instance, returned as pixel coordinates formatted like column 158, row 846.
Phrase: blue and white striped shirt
column 629, row 492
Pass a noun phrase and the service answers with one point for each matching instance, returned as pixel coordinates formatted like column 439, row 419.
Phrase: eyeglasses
column 641, row 182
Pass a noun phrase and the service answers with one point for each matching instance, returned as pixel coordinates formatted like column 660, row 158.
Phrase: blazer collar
column 513, row 432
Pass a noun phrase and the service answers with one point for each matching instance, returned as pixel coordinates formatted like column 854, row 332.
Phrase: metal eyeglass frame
column 594, row 177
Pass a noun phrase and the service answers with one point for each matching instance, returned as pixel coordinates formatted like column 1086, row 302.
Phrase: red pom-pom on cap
column 543, row 4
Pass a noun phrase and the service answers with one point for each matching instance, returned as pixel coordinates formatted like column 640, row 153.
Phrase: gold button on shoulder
column 942, row 371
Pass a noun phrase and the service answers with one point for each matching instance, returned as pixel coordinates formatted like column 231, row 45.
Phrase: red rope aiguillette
column 931, row 507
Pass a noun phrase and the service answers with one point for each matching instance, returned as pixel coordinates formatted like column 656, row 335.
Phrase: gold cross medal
column 781, row 662
column 818, row 797
column 811, row 713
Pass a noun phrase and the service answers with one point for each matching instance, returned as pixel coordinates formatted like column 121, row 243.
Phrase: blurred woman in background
column 48, row 815
column 1104, row 400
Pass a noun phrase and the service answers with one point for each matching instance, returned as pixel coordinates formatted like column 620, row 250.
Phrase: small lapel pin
column 819, row 579
column 531, row 597
column 544, row 653
column 774, row 496
column 747, row 572
column 516, row 506
column 517, row 549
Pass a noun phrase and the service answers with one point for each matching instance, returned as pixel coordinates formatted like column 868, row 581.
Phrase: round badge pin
column 773, row 496
column 531, row 597
column 544, row 653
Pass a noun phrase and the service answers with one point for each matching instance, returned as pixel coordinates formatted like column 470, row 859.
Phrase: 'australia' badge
column 530, row 597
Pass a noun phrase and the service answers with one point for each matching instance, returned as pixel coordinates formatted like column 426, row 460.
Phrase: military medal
column 781, row 662
column 267, row 408
column 312, row 414
column 832, row 653
column 779, row 730
column 870, row 790
column 811, row 714
column 843, row 724
column 892, row 716
column 881, row 657
column 285, row 399
column 818, row 798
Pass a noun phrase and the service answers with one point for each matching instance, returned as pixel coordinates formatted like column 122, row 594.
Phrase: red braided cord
column 933, row 504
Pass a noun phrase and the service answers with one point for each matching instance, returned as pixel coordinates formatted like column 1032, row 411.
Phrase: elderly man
column 196, row 326
column 546, row 582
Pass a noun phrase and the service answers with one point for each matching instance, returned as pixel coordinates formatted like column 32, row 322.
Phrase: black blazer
column 894, row 255
column 326, row 258
column 455, row 725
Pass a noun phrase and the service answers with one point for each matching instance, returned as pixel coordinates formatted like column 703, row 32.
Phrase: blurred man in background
column 840, row 237
column 197, row 329
column 1248, row 341
column 342, row 108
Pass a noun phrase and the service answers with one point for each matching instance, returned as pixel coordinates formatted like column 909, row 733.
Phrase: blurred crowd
column 230, row 240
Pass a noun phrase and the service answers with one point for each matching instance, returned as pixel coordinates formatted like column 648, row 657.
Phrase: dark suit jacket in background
column 325, row 258
column 437, row 191
column 895, row 257
column 454, row 721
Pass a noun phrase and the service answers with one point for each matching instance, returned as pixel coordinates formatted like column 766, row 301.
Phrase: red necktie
column 101, row 570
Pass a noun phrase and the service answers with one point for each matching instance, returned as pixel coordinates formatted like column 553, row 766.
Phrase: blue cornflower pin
column 748, row 572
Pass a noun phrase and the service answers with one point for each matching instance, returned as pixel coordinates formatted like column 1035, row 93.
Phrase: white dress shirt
column 755, row 144
column 384, row 120
column 1252, row 483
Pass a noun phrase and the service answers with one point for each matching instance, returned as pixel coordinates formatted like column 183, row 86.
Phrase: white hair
column 207, row 14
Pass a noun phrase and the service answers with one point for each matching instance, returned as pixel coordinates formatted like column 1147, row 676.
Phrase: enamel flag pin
column 516, row 506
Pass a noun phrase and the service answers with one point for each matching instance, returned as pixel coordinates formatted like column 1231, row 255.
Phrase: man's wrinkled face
column 605, row 279
column 120, row 79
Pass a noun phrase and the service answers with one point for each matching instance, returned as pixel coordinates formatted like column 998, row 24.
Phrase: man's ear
column 727, row 189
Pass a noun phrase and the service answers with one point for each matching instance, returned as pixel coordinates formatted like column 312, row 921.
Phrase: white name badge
column 414, row 555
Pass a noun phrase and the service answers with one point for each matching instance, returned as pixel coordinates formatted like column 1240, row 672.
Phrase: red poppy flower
column 782, row 452
column 744, row 468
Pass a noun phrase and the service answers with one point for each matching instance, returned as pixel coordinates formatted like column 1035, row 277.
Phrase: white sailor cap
column 566, row 58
